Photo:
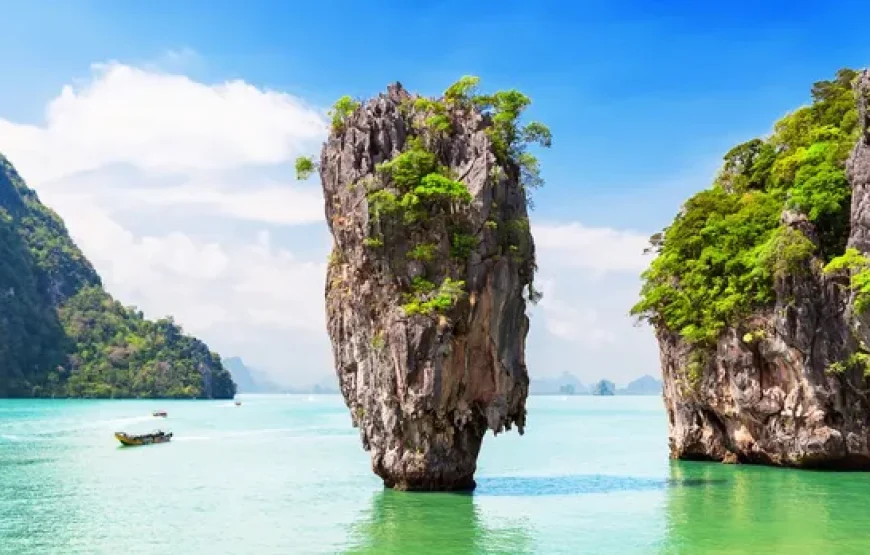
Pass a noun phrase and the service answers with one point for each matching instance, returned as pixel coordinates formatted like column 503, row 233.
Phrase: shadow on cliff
column 581, row 484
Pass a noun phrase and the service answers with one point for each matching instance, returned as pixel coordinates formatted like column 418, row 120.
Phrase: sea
column 283, row 474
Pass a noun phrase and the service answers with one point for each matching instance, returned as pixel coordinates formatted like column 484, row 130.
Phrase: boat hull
column 135, row 441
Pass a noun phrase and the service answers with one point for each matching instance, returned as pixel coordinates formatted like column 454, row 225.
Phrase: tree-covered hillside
column 62, row 335
column 718, row 260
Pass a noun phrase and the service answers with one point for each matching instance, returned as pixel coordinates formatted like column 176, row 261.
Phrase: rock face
column 424, row 388
column 766, row 394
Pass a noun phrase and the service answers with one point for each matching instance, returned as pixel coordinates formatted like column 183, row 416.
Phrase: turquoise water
column 286, row 474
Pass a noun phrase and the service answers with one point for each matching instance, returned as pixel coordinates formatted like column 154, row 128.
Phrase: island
column 63, row 335
column 432, row 266
column 604, row 388
column 759, row 294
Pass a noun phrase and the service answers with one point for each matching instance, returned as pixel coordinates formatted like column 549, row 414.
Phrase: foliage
column 859, row 282
column 785, row 252
column 422, row 185
column 439, row 123
column 424, row 252
column 381, row 202
column 461, row 245
column 511, row 140
column 341, row 110
column 305, row 166
column 855, row 361
column 408, row 169
column 753, row 336
column 462, row 91
column 426, row 300
column 718, row 260
column 695, row 368
column 438, row 187
column 373, row 242
column 61, row 334
column 120, row 354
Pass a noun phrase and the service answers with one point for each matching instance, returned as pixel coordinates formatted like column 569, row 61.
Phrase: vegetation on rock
column 62, row 335
column 718, row 260
column 305, row 166
column 858, row 266
column 341, row 110
column 414, row 189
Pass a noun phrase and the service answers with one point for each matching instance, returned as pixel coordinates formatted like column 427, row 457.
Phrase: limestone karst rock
column 427, row 283
column 787, row 384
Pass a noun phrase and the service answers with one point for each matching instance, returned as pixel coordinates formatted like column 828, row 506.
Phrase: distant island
column 63, row 335
column 568, row 384
column 252, row 380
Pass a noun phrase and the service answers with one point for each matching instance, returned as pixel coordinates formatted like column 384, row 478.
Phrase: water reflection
column 751, row 509
column 402, row 522
column 564, row 485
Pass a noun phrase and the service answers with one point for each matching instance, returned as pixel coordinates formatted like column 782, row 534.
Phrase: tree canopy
column 717, row 261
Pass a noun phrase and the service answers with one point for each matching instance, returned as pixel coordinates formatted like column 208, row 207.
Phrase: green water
column 286, row 474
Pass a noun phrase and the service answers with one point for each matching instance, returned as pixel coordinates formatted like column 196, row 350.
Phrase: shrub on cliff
column 718, row 260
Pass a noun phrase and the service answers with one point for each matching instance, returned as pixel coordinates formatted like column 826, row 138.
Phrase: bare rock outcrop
column 766, row 393
column 425, row 293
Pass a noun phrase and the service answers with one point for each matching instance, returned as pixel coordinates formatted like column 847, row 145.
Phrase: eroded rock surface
column 424, row 388
column 766, row 394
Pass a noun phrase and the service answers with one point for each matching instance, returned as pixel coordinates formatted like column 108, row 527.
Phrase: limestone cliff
column 425, row 286
column 786, row 384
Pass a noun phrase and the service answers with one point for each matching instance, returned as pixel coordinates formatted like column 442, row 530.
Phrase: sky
column 164, row 134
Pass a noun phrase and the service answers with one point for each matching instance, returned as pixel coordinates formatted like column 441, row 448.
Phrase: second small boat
column 159, row 413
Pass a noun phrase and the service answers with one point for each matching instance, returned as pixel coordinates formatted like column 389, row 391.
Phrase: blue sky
column 643, row 97
column 637, row 93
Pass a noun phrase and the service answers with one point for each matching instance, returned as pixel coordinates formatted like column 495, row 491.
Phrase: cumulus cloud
column 600, row 249
column 161, row 123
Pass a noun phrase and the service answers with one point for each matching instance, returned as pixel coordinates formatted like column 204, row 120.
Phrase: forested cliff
column 62, row 335
column 759, row 292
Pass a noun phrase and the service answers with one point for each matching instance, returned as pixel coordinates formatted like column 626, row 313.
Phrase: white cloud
column 582, row 325
column 568, row 321
column 273, row 203
column 160, row 122
column 601, row 249
column 122, row 150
